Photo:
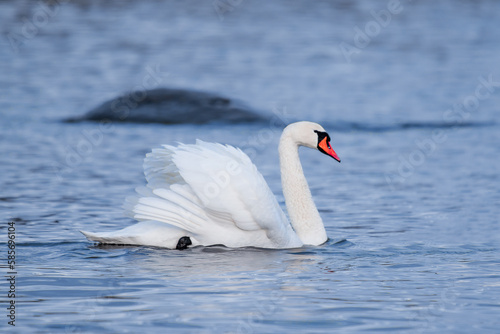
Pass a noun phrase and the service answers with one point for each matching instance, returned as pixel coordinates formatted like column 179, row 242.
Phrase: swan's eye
column 322, row 135
column 324, row 145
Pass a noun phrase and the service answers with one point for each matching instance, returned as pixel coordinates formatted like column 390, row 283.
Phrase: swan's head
column 311, row 135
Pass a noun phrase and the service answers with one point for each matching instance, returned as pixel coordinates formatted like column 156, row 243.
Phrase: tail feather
column 150, row 233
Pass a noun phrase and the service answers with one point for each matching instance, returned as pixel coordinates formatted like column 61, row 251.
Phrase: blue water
column 412, row 211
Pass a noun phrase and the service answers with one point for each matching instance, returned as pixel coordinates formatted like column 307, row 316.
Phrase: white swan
column 208, row 194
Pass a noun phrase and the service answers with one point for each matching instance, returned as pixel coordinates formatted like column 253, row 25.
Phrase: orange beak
column 325, row 147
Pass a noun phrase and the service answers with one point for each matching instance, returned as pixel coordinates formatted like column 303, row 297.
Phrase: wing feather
column 229, row 185
column 209, row 188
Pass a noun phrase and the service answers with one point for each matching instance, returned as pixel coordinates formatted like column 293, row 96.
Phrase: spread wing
column 209, row 189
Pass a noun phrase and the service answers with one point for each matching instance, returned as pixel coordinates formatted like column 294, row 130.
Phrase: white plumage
column 214, row 194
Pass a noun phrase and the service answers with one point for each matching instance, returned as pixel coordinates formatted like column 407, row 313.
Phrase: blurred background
column 62, row 58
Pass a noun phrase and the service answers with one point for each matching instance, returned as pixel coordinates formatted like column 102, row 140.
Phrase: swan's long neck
column 303, row 214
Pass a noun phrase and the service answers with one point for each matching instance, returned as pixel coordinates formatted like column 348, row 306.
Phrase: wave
column 184, row 106
column 172, row 106
column 343, row 126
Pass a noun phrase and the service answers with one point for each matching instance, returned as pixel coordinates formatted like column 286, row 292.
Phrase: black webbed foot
column 183, row 243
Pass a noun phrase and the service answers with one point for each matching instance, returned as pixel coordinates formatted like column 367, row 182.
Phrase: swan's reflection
column 217, row 261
